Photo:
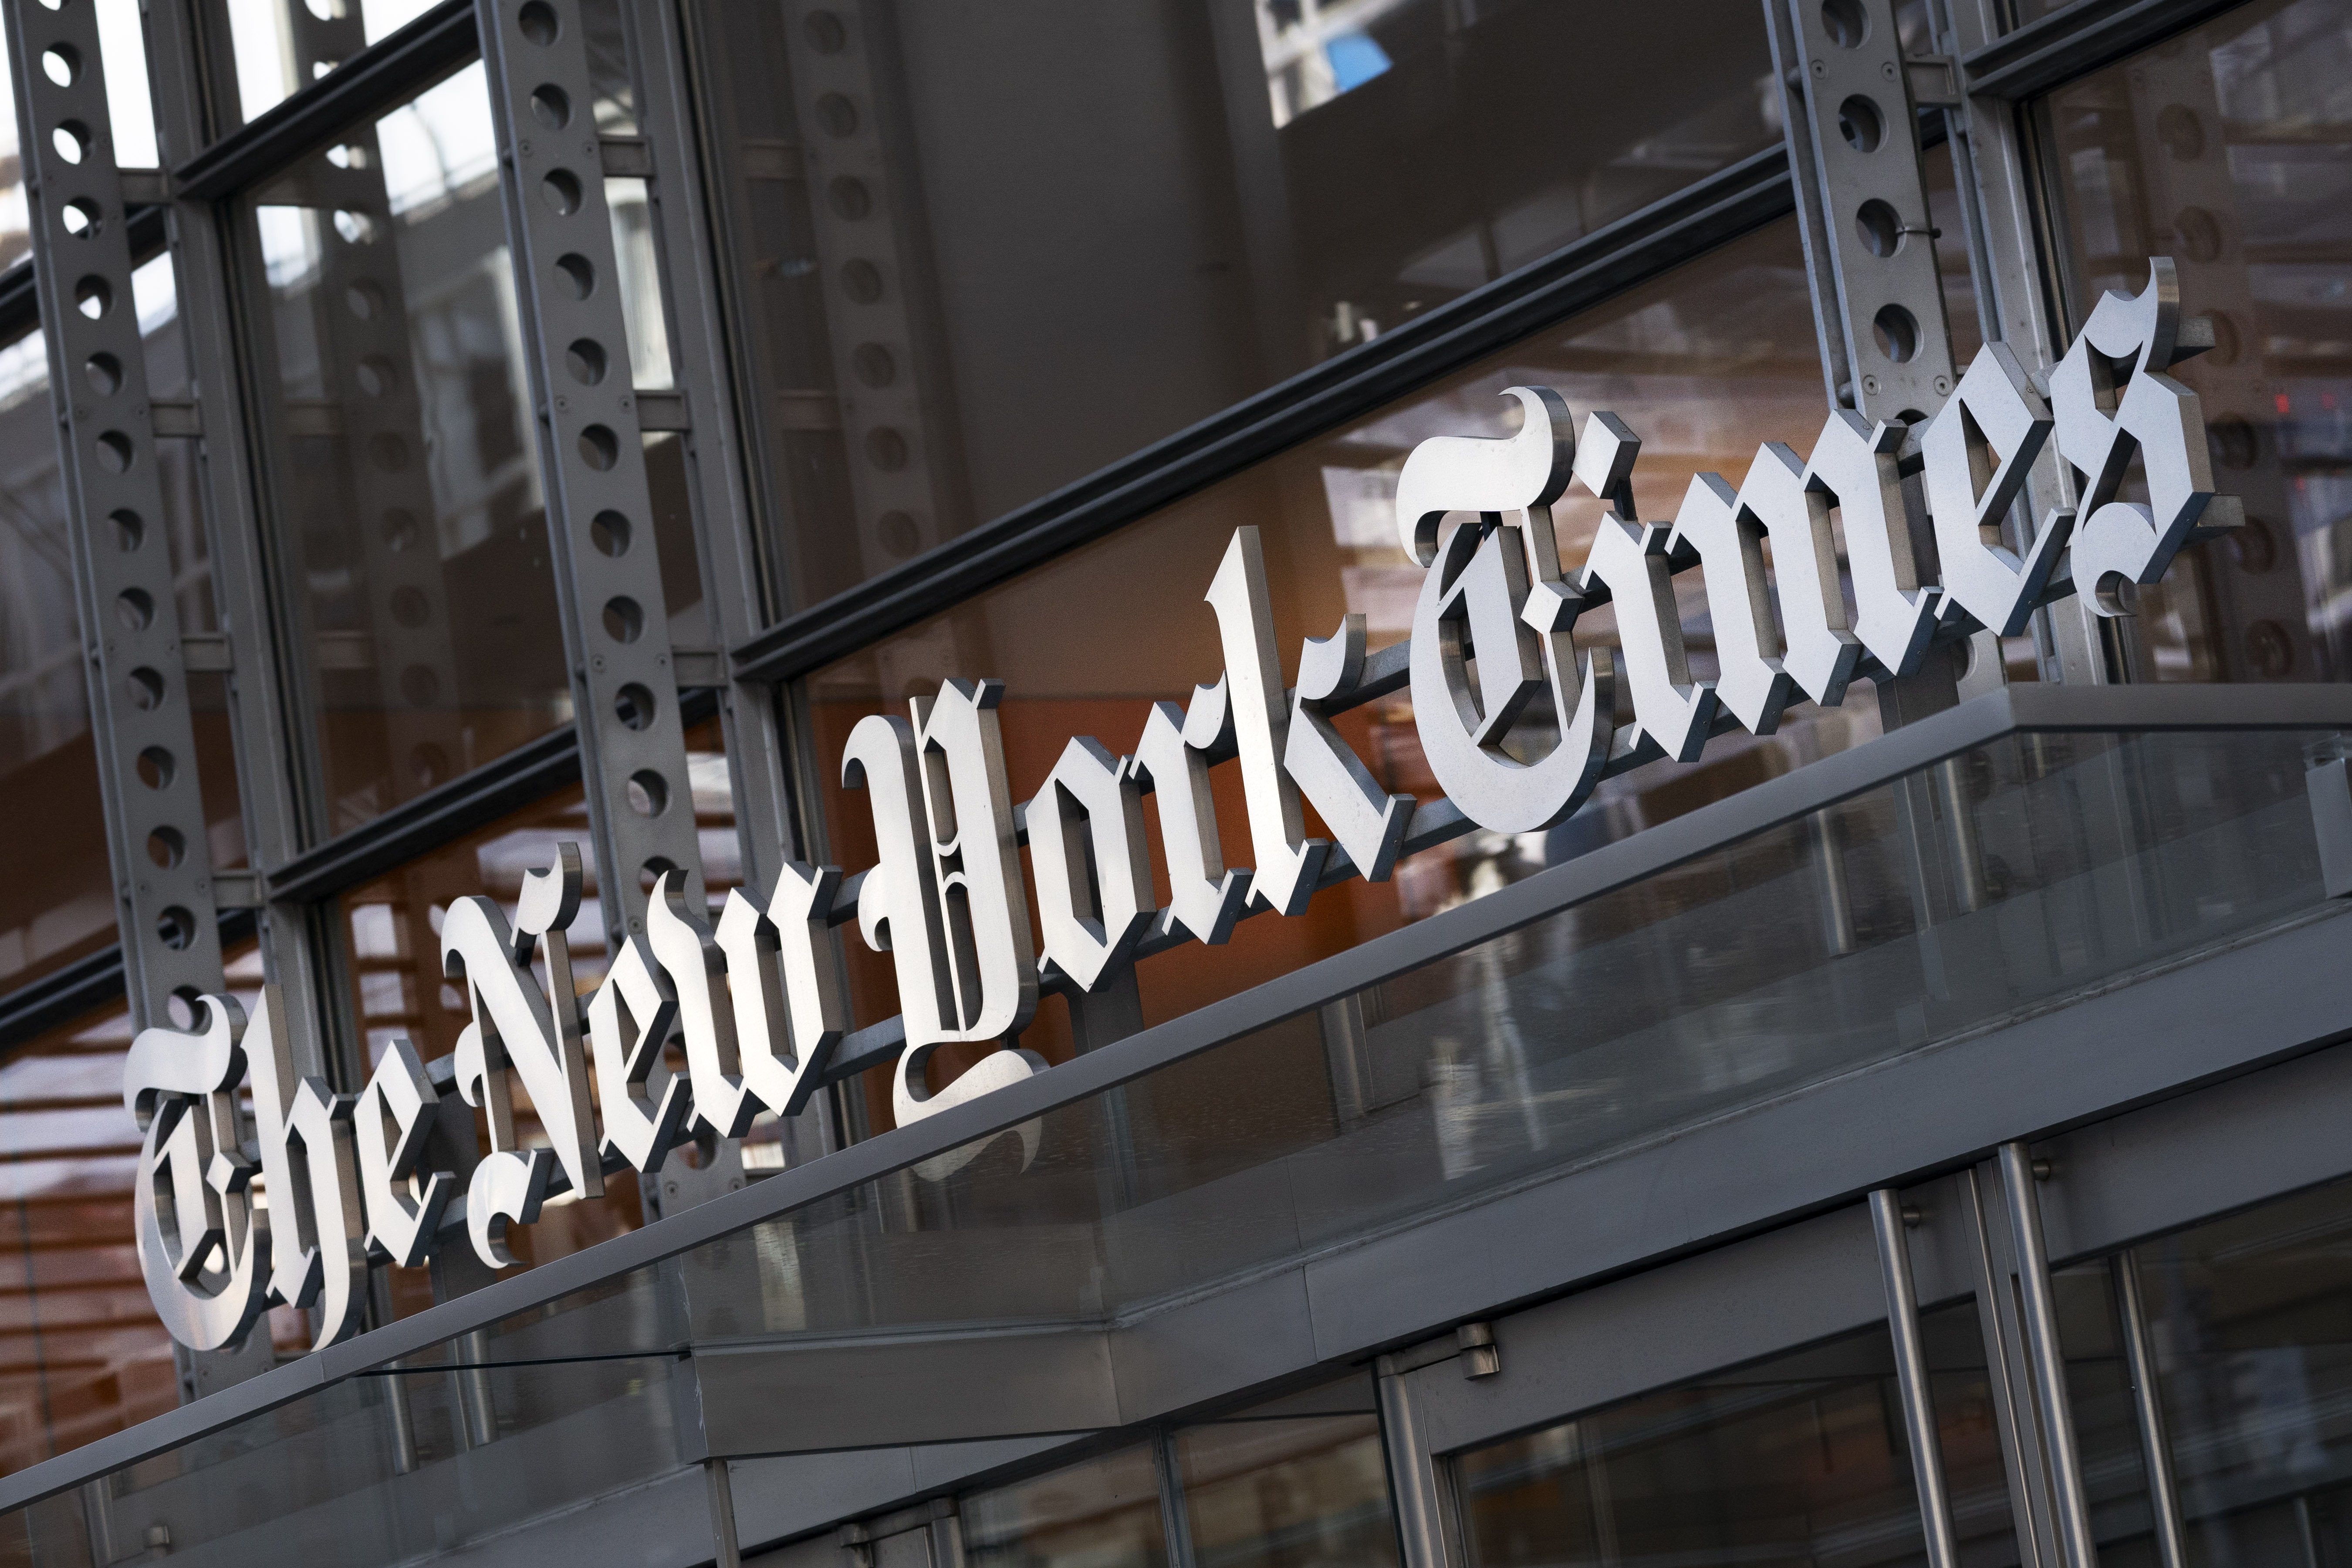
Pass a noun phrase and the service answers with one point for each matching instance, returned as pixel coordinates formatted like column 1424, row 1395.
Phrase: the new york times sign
column 1517, row 722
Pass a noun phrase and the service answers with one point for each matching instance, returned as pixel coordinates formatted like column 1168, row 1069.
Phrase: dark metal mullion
column 1703, row 217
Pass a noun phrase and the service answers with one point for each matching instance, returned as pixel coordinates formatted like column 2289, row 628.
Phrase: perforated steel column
column 1853, row 142
column 599, row 512
column 139, row 719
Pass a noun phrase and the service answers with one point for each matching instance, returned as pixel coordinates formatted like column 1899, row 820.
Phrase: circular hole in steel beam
column 145, row 688
column 356, row 227
column 134, row 609
column 653, row 872
column 184, row 1006
column 176, row 927
column 419, row 687
column 551, row 106
column 409, row 605
column 115, row 453
column 428, row 765
column 92, row 297
column 1861, row 123
column 1846, row 22
column 648, row 793
column 900, row 537
column 1897, row 331
column 825, row 31
column 539, row 23
column 873, row 365
column 862, row 281
column 886, row 449
column 71, row 140
column 130, row 528
column 562, row 190
column 104, row 374
column 81, row 218
column 609, row 532
column 377, row 376
column 364, row 301
column 625, row 621
column 836, row 116
column 633, row 705
column 167, row 847
column 598, row 449
column 849, row 198
column 61, row 63
column 401, row 529
column 1880, row 227
column 155, row 767
column 585, row 359
column 576, row 275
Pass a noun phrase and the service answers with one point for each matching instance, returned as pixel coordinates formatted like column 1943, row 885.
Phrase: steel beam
column 139, row 716
column 599, row 508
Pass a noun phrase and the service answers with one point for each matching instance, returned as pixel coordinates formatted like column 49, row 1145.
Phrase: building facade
column 733, row 603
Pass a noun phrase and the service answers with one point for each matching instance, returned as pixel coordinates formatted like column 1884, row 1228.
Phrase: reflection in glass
column 2230, row 149
column 81, row 1352
column 1799, row 1460
column 393, row 952
column 401, row 442
column 283, row 46
column 1104, row 1513
column 1288, row 1493
column 1705, row 364
column 58, row 904
column 985, row 252
column 2251, row 1318
column 1580, row 1035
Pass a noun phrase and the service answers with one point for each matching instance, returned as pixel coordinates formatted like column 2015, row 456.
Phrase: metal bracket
column 239, row 890
column 207, row 652
column 700, row 668
column 627, row 157
column 662, row 411
column 170, row 418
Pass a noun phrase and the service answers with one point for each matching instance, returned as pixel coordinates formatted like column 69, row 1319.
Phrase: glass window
column 400, row 445
column 84, row 1352
column 60, row 904
column 391, row 932
column 2250, row 1319
column 283, row 46
column 983, row 252
column 1705, row 364
column 1104, row 1513
column 2229, row 148
column 1288, row 1493
column 1798, row 1460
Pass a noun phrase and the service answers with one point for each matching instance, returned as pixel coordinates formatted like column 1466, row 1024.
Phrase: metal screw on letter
column 1870, row 384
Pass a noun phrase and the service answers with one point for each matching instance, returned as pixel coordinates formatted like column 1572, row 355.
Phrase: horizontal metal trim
column 386, row 72
column 535, row 769
column 2070, row 44
column 86, row 984
column 1703, row 217
column 1792, row 796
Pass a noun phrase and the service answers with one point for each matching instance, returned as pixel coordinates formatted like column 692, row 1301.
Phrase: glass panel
column 1516, row 1058
column 82, row 1352
column 956, row 229
column 1799, row 1460
column 1705, row 364
column 401, row 448
column 2248, row 1317
column 1532, row 1052
column 2230, row 149
column 60, row 904
column 1288, row 1493
column 1104, row 1513
column 393, row 955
